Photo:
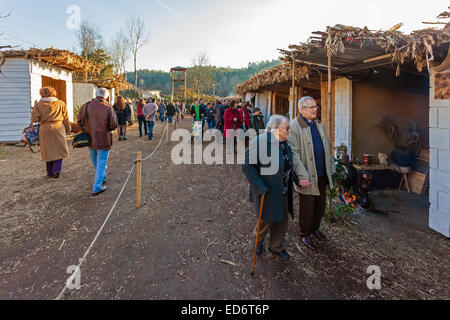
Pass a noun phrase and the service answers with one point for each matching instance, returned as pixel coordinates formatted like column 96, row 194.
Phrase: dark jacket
column 171, row 111
column 202, row 112
column 210, row 114
column 258, row 123
column 122, row 115
column 272, row 185
column 100, row 123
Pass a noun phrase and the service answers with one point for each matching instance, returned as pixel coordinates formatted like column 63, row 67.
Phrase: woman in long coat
column 271, row 172
column 54, row 121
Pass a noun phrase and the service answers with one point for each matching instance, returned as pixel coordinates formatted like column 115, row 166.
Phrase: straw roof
column 60, row 58
column 350, row 46
column 117, row 82
column 276, row 75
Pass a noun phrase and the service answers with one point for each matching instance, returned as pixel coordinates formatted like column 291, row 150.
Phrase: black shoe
column 100, row 192
column 150, row 139
column 125, row 139
column 56, row 176
column 259, row 249
column 320, row 236
column 283, row 253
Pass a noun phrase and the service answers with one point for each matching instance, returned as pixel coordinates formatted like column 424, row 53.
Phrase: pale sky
column 232, row 32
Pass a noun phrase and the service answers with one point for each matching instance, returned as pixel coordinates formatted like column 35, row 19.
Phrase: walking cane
column 257, row 234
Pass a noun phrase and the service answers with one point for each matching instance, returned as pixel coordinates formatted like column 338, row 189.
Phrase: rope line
column 160, row 142
column 82, row 260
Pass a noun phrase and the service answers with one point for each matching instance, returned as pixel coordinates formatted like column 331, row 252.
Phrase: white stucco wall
column 439, row 219
column 343, row 113
column 83, row 92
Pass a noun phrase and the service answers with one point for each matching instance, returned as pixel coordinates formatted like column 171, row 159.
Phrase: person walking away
column 277, row 188
column 141, row 118
column 171, row 112
column 101, row 121
column 130, row 109
column 122, row 114
column 162, row 111
column 220, row 112
column 247, row 114
column 257, row 121
column 52, row 115
column 211, row 117
column 314, row 165
column 149, row 111
column 232, row 121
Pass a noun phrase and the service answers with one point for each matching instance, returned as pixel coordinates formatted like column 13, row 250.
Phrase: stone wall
column 439, row 162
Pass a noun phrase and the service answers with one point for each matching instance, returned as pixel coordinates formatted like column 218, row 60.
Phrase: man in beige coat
column 314, row 165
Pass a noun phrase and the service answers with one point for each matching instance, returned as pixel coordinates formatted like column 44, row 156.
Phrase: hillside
column 225, row 79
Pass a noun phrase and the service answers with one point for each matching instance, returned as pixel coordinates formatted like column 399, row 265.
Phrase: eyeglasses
column 314, row 107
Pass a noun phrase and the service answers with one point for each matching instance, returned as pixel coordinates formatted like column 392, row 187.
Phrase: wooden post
column 294, row 91
column 167, row 131
column 138, row 179
column 330, row 95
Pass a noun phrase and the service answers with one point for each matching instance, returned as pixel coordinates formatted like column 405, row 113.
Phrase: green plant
column 335, row 207
column 76, row 111
column 341, row 151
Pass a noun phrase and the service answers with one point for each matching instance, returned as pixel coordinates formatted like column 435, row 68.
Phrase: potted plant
column 405, row 138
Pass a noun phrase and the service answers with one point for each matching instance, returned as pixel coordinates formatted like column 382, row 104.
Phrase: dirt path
column 193, row 217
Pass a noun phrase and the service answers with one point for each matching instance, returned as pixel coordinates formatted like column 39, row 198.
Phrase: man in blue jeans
column 100, row 123
column 150, row 116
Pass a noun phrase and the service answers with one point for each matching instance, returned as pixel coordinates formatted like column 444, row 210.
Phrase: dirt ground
column 192, row 218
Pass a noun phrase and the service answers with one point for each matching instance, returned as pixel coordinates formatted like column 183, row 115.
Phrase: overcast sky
column 232, row 32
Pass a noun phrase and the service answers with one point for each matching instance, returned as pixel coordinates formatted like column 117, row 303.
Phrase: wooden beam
column 384, row 56
column 330, row 95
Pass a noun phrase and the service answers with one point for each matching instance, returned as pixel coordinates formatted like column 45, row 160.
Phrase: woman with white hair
column 269, row 169
column 101, row 121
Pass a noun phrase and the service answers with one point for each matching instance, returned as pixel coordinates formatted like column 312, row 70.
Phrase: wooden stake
column 138, row 180
column 294, row 95
column 167, row 131
column 330, row 96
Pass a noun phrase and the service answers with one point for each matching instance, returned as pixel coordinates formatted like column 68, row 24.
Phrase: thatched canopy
column 280, row 74
column 117, row 82
column 60, row 58
column 357, row 49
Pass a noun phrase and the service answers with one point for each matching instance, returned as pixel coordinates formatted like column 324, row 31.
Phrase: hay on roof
column 280, row 74
column 60, row 58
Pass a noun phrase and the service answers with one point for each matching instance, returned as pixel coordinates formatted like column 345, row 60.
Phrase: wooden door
column 58, row 85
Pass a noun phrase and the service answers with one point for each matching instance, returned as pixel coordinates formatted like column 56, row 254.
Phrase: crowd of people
column 306, row 162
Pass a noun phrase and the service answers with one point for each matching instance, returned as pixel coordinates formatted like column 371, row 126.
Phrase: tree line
column 202, row 78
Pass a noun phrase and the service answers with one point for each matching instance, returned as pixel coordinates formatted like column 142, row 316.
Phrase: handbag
column 30, row 136
column 82, row 140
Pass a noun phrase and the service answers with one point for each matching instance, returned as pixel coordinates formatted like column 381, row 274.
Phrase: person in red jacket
column 232, row 120
column 247, row 116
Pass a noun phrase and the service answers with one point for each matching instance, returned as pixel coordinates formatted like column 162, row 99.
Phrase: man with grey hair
column 277, row 186
column 101, row 121
column 314, row 165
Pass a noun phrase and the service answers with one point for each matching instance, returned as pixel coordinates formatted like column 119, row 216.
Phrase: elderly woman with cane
column 269, row 169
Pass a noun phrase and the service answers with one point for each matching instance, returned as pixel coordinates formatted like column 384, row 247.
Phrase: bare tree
column 137, row 38
column 200, row 74
column 89, row 39
column 119, row 52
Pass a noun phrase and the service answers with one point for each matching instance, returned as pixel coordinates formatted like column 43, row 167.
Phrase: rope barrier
column 82, row 260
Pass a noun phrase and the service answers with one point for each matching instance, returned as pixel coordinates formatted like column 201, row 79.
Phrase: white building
column 24, row 74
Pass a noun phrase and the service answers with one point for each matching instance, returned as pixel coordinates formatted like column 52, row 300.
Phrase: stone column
column 439, row 161
column 343, row 113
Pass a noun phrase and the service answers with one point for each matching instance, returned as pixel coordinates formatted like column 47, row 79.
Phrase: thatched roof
column 117, row 82
column 350, row 46
column 276, row 75
column 60, row 58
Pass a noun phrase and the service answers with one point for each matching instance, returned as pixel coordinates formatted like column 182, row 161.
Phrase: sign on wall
column 442, row 85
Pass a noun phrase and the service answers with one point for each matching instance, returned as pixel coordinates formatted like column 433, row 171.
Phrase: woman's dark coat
column 272, row 185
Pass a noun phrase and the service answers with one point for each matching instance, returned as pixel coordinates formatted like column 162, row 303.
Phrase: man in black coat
column 270, row 172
